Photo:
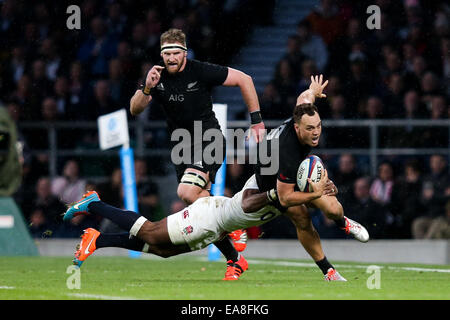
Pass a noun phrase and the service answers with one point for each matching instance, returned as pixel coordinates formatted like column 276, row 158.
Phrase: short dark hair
column 304, row 108
column 173, row 35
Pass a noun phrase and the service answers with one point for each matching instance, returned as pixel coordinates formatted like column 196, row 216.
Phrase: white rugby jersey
column 231, row 217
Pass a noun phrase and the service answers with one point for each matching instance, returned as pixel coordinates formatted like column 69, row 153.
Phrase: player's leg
column 193, row 184
column 306, row 233
column 310, row 240
column 333, row 209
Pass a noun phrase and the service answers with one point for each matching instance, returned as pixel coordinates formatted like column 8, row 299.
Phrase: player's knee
column 301, row 222
column 187, row 193
column 334, row 210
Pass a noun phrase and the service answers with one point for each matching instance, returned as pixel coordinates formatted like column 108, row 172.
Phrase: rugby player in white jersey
column 203, row 222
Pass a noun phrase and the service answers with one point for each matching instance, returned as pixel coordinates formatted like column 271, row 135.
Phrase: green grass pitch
column 195, row 278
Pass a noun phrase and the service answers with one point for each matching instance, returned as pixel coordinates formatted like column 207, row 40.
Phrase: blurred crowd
column 400, row 71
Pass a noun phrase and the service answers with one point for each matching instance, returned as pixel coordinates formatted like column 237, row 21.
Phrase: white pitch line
column 303, row 264
column 309, row 264
column 7, row 288
column 100, row 296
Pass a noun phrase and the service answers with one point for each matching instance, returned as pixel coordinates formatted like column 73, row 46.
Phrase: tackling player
column 299, row 135
column 183, row 87
column 205, row 221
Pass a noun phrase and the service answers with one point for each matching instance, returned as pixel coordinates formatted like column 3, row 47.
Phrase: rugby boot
column 239, row 238
column 356, row 229
column 86, row 246
column 333, row 275
column 235, row 269
column 81, row 206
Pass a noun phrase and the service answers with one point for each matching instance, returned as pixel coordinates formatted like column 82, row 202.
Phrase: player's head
column 173, row 49
column 307, row 124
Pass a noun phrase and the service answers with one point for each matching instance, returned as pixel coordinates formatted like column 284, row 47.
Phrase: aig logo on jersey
column 176, row 97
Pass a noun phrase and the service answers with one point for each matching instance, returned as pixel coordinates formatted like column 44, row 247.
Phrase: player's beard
column 172, row 68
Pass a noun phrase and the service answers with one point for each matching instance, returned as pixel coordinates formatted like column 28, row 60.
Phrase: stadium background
column 393, row 176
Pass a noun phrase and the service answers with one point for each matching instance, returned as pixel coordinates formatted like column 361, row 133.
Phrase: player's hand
column 330, row 189
column 317, row 85
column 258, row 131
column 153, row 76
column 319, row 186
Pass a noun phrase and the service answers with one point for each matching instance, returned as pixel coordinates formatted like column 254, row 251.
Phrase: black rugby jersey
column 291, row 153
column 186, row 95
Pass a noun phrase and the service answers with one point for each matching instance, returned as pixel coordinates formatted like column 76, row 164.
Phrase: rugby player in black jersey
column 299, row 135
column 183, row 87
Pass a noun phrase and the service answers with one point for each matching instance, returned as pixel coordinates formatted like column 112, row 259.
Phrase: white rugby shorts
column 196, row 225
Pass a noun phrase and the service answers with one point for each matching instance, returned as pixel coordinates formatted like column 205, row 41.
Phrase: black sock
column 324, row 265
column 119, row 240
column 123, row 218
column 340, row 222
column 227, row 248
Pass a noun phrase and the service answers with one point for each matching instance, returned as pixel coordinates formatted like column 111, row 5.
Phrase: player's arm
column 236, row 78
column 141, row 98
column 253, row 200
column 314, row 91
column 289, row 197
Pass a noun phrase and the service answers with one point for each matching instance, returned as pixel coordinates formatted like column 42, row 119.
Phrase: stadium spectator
column 284, row 81
column 405, row 203
column 308, row 69
column 326, row 21
column 365, row 210
column 344, row 177
column 312, row 46
column 359, row 84
column 394, row 96
column 46, row 210
column 49, row 110
column 435, row 193
column 438, row 175
column 69, row 187
column 101, row 101
column 147, row 191
column 111, row 190
column 53, row 61
column 381, row 187
column 294, row 54
column 270, row 103
column 433, row 227
column 374, row 108
column 97, row 49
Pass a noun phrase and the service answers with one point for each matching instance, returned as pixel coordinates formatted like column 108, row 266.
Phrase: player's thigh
column 300, row 216
column 155, row 233
column 329, row 205
column 192, row 183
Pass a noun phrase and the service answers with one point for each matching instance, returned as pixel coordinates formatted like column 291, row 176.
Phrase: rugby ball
column 311, row 167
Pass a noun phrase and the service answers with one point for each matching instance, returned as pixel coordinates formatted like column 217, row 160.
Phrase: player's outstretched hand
column 153, row 76
column 258, row 130
column 317, row 85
